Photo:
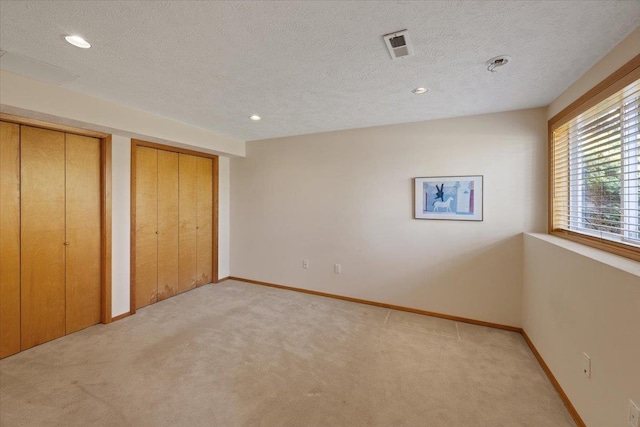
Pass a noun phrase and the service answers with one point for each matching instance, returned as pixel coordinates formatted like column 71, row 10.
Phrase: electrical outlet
column 305, row 264
column 586, row 365
column 337, row 268
column 634, row 414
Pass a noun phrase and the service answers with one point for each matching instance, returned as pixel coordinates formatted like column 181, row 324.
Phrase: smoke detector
column 496, row 62
column 398, row 44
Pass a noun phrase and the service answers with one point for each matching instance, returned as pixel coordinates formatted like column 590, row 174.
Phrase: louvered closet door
column 146, row 246
column 187, row 214
column 204, row 228
column 9, row 239
column 43, row 236
column 82, row 232
column 167, row 224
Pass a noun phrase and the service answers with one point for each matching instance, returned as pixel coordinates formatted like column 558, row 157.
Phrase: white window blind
column 596, row 170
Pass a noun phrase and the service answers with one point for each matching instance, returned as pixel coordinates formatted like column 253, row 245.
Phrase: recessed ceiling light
column 78, row 41
column 420, row 90
column 255, row 117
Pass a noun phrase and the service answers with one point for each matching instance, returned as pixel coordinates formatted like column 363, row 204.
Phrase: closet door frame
column 135, row 143
column 105, row 200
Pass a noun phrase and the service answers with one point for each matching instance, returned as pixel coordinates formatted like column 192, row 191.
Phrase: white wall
column 578, row 299
column 224, row 236
column 120, row 224
column 346, row 197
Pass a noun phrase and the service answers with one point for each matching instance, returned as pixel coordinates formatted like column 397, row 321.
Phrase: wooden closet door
column 146, row 247
column 9, row 239
column 83, row 259
column 187, row 214
column 204, row 229
column 43, row 236
column 167, row 224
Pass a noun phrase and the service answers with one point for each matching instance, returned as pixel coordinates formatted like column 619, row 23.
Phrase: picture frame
column 457, row 198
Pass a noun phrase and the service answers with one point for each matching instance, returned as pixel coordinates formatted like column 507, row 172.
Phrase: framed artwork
column 456, row 198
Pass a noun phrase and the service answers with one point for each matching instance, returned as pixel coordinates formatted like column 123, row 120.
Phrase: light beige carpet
column 235, row 354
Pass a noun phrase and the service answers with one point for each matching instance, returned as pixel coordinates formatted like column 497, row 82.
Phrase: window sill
column 615, row 261
column 610, row 246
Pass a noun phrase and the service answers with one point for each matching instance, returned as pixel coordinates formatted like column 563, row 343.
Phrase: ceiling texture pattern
column 315, row 66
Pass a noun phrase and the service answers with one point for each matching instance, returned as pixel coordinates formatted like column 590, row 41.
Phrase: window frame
column 622, row 77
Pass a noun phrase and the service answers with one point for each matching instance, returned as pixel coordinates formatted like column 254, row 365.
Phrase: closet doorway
column 174, row 221
column 55, row 237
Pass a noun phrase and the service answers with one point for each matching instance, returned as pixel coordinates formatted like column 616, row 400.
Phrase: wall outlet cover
column 586, row 365
column 634, row 414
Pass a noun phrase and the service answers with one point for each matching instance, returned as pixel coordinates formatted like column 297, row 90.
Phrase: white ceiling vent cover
column 398, row 44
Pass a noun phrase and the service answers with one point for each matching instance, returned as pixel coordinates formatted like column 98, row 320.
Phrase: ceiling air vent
column 398, row 44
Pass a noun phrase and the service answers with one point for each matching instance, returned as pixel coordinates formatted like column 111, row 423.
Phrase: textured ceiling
column 313, row 66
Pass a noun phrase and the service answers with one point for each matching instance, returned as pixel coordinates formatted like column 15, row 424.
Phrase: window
column 595, row 167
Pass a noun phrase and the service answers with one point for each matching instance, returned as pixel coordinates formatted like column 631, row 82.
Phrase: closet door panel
column 204, row 189
column 43, row 236
column 167, row 224
column 9, row 239
column 83, row 272
column 187, row 255
column 146, row 246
